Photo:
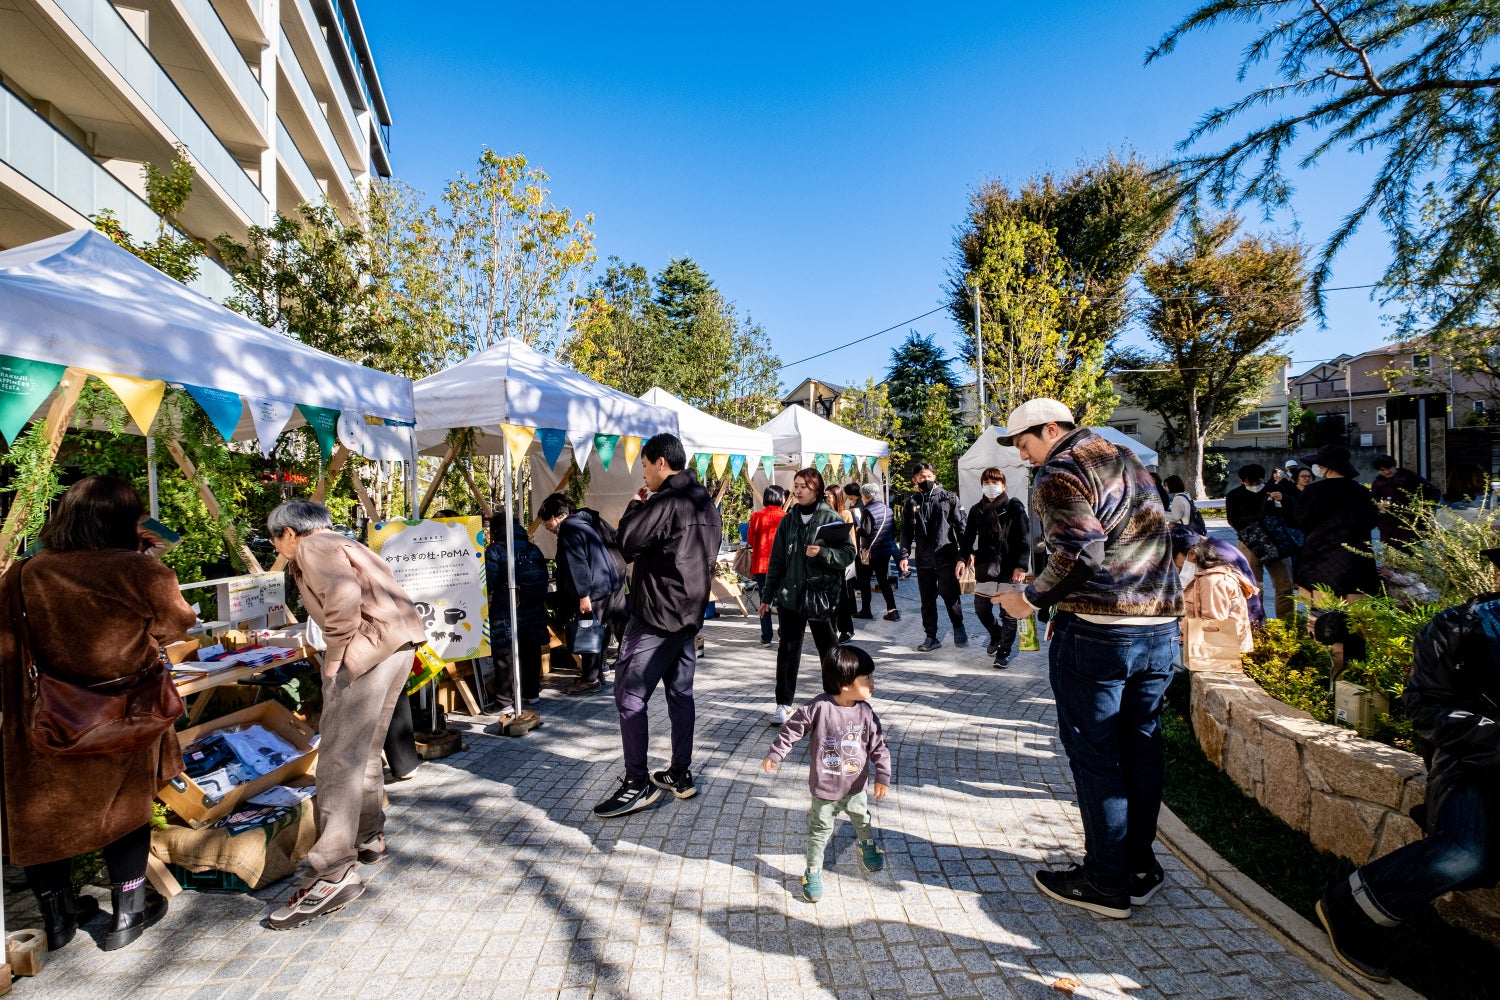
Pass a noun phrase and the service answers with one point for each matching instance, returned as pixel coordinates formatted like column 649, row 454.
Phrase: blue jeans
column 1109, row 682
column 1463, row 852
column 765, row 620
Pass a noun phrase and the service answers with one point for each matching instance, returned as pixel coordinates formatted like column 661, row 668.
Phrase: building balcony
column 294, row 166
column 311, row 114
column 302, row 31
column 195, row 46
column 58, row 187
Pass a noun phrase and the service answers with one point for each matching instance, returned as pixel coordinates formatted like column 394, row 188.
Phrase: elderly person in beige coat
column 371, row 628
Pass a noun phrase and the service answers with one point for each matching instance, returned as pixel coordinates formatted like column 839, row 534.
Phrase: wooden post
column 484, row 505
column 437, row 481
column 330, row 473
column 54, row 425
column 212, row 503
column 562, row 484
column 364, row 495
column 723, row 489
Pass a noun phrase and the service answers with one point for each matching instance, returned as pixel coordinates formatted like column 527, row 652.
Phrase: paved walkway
column 504, row 884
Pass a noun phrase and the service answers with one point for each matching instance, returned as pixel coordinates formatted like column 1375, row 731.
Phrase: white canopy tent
column 513, row 393
column 799, row 436
column 987, row 452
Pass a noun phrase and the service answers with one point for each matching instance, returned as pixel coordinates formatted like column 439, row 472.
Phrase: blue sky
column 817, row 159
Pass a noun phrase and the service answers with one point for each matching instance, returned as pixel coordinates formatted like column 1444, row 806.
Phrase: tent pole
column 210, row 501
column 153, row 503
column 510, row 580
column 54, row 425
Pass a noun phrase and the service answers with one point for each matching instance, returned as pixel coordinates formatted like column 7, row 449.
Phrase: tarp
column 987, row 452
column 799, row 435
column 79, row 300
column 706, row 434
column 518, row 385
column 1146, row 455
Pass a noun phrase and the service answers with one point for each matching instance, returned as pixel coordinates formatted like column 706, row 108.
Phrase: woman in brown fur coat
column 96, row 608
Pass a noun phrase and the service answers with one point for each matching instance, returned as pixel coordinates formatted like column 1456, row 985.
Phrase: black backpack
column 1195, row 520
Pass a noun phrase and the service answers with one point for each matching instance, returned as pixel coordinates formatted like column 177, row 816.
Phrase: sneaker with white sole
column 631, row 796
column 323, row 896
column 679, row 783
column 1075, row 888
column 1144, row 885
column 782, row 713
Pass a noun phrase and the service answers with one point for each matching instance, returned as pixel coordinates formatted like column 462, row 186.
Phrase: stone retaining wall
column 1350, row 795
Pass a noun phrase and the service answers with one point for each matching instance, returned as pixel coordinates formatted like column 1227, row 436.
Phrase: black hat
column 1335, row 457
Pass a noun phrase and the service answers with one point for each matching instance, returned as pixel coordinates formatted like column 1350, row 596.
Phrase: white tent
column 799, row 436
column 987, row 452
column 549, row 407
column 79, row 300
column 1146, row 455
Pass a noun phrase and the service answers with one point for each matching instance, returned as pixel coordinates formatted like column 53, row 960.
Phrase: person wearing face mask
column 1184, row 539
column 1336, row 515
column 997, row 544
column 1214, row 587
column 932, row 526
column 1255, row 514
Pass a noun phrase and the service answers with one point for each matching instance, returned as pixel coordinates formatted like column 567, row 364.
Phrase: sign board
column 254, row 596
column 440, row 564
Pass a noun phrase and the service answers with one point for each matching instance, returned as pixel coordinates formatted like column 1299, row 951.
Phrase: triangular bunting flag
column 820, row 461
column 768, row 465
column 736, row 463
column 835, row 462
column 270, row 417
column 220, row 406
column 848, row 464
column 605, row 444
column 583, row 446
column 632, row 451
column 552, row 439
column 700, row 462
column 23, row 386
column 720, row 463
column 140, row 396
column 884, row 464
column 517, row 440
column 325, row 427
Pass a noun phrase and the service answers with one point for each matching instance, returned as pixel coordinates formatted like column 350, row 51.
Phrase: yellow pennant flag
column 835, row 462
column 632, row 451
column 885, row 466
column 517, row 440
column 720, row 463
column 140, row 396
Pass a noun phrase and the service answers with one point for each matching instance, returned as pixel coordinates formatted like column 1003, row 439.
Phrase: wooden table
column 204, row 686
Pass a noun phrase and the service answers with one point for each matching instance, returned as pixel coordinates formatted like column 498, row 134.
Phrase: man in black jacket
column 997, row 544
column 587, row 582
column 671, row 531
column 932, row 525
column 1453, row 700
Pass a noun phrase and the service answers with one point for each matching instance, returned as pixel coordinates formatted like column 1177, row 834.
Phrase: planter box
column 187, row 799
column 1357, row 706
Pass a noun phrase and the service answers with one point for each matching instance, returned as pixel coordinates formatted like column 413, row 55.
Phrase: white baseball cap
column 1033, row 413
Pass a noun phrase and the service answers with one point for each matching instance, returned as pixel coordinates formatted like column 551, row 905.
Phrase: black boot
column 135, row 910
column 62, row 912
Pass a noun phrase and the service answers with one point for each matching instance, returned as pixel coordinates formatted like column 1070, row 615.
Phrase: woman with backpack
column 805, row 577
column 1183, row 511
column 587, row 581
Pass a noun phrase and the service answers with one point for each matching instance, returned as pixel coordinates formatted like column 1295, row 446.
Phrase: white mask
column 1256, row 488
column 1318, row 471
column 992, row 490
column 1188, row 571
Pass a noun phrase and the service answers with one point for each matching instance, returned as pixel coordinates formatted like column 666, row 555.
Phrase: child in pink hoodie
column 846, row 739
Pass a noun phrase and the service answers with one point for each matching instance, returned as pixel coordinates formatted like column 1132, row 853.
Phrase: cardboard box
column 182, row 794
column 235, row 639
column 1357, row 706
column 182, row 652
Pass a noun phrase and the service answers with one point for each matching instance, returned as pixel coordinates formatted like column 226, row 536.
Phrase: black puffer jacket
column 998, row 536
column 1453, row 698
column 932, row 527
column 673, row 540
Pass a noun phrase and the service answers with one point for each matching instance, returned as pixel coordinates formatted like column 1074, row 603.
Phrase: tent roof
column 1146, row 455
column 799, row 433
column 80, row 300
column 511, row 383
column 701, row 432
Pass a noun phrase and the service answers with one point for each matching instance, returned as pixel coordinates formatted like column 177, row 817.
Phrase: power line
column 861, row 340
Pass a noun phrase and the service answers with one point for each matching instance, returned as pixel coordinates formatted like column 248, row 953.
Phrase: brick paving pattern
column 504, row 884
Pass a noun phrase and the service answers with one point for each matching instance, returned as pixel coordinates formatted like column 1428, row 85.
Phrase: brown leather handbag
column 64, row 718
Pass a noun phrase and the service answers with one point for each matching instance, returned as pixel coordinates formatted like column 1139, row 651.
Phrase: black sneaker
column 929, row 644
column 992, row 647
column 632, row 795
column 1075, row 888
column 960, row 638
column 679, row 783
column 1144, row 886
column 1001, row 662
column 1357, row 940
column 892, row 615
column 845, row 636
column 863, row 616
column 372, row 852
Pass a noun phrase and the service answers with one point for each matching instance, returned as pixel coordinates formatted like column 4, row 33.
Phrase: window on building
column 1479, row 406
column 1132, row 429
column 1260, row 420
column 1421, row 363
column 1380, row 416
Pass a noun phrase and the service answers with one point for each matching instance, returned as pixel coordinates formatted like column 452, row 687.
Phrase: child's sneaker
column 871, row 856
column 812, row 886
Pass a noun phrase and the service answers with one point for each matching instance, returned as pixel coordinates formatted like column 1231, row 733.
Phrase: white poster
column 440, row 564
column 255, row 596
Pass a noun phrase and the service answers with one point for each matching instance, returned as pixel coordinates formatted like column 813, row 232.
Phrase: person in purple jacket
column 846, row 739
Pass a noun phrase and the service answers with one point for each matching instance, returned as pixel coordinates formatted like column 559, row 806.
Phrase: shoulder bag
column 67, row 719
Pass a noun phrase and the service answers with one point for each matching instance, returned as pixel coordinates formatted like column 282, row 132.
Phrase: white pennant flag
column 583, row 446
column 270, row 417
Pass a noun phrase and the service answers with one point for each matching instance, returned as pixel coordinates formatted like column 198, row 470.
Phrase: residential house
column 1263, row 427
column 816, row 395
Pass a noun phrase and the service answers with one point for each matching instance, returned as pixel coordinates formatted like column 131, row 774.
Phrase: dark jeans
column 765, row 598
column 789, row 653
column 934, row 582
column 844, row 617
column 590, row 667
column 1463, row 853
column 876, row 573
column 650, row 657
column 1109, row 682
column 1002, row 632
column 400, row 740
column 125, row 859
column 503, row 684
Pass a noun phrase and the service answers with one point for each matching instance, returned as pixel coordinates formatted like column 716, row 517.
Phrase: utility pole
column 979, row 361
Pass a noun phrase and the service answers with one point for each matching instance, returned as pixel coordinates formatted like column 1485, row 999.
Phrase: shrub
column 1292, row 668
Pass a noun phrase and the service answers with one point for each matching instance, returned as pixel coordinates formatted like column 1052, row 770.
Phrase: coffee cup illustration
column 454, row 615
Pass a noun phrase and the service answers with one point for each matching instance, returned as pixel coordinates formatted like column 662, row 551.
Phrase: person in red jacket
column 763, row 525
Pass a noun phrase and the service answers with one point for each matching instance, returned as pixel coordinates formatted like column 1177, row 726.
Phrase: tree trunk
column 1192, row 476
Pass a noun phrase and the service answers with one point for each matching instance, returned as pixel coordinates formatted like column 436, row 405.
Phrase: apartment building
column 277, row 103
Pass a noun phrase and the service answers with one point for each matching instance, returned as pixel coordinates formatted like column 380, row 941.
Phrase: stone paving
column 504, row 884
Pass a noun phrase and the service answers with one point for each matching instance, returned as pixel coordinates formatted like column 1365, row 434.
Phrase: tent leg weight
column 522, row 724
column 436, row 746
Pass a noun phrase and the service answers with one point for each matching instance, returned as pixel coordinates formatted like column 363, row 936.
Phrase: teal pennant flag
column 220, row 406
column 325, row 427
column 23, row 386
column 768, row 466
column 604, row 445
column 553, row 439
column 736, row 463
